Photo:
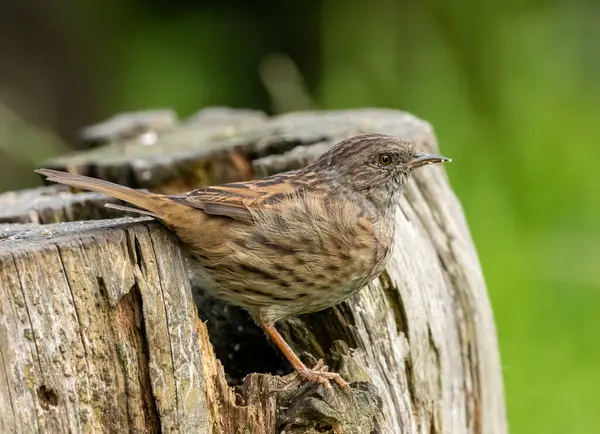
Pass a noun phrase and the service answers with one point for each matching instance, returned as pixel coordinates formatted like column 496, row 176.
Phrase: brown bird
column 291, row 243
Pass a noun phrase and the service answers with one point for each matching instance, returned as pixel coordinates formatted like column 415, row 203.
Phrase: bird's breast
column 303, row 259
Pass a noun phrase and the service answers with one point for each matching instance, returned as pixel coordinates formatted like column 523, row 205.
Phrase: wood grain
column 95, row 330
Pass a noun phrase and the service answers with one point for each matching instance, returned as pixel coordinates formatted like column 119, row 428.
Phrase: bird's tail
column 150, row 203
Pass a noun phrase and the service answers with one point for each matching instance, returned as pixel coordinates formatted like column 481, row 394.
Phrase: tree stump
column 418, row 344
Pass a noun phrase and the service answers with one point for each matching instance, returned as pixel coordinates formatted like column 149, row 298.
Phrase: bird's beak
column 422, row 159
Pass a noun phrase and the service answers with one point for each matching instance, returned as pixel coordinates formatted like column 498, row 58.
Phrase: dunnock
column 291, row 243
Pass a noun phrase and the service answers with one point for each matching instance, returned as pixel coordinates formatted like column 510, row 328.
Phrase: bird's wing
column 237, row 199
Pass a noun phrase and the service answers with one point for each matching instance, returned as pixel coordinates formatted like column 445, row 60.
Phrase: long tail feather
column 147, row 201
column 131, row 209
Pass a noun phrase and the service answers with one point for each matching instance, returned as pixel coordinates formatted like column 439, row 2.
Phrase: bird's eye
column 385, row 159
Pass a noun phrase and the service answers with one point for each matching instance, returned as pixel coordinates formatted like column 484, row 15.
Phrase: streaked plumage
column 291, row 243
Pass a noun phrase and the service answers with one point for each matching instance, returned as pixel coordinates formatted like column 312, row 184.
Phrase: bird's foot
column 320, row 375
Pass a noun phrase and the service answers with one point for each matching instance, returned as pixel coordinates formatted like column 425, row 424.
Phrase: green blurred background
column 511, row 88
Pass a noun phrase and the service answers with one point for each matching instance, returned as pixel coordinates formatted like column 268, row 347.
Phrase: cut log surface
column 85, row 344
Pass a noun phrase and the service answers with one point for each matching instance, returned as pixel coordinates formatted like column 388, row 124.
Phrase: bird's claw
column 320, row 375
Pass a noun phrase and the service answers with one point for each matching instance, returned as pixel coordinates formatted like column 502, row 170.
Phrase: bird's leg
column 316, row 376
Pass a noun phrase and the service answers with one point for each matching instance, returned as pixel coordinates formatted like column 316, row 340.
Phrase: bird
column 291, row 243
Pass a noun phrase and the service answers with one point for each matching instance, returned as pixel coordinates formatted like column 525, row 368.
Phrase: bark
column 419, row 343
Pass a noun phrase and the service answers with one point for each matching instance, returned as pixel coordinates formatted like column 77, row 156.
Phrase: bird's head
column 376, row 165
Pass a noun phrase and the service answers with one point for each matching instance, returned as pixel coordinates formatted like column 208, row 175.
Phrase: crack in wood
column 4, row 371
column 438, row 361
column 161, row 292
column 72, row 299
column 26, row 305
column 129, row 317
column 394, row 300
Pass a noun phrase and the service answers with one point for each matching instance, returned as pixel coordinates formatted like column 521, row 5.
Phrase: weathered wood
column 423, row 334
column 54, row 204
column 96, row 331
column 218, row 145
column 210, row 147
column 99, row 333
column 143, row 126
